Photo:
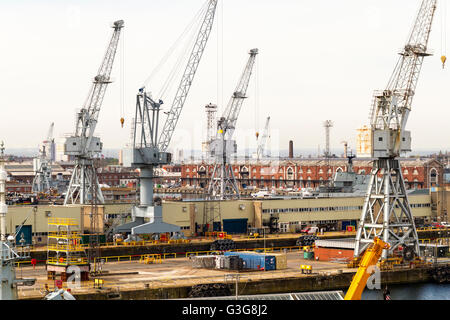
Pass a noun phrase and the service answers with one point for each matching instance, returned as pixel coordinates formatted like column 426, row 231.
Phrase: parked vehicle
column 310, row 230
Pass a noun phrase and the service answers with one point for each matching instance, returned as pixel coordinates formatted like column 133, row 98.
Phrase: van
column 310, row 230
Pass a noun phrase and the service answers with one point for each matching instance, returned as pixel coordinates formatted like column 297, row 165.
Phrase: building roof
column 313, row 296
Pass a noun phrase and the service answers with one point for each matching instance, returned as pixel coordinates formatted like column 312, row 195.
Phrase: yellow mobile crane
column 370, row 258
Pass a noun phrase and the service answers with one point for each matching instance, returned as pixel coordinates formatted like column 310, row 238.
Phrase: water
column 418, row 291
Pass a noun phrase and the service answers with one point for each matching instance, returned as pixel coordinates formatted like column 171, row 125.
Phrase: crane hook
column 443, row 59
column 122, row 120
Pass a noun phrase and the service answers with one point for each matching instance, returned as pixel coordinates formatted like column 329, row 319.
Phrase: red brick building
column 303, row 173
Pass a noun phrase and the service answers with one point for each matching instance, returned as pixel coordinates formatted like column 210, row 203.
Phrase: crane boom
column 231, row 113
column 369, row 259
column 262, row 142
column 393, row 105
column 87, row 118
column 188, row 77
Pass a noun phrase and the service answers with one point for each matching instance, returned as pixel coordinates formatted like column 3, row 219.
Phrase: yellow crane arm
column 370, row 258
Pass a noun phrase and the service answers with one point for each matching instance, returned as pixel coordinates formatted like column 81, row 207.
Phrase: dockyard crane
column 42, row 165
column 149, row 149
column 83, row 145
column 386, row 212
column 222, row 184
column 260, row 152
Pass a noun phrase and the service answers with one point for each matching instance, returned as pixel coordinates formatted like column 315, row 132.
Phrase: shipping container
column 281, row 260
column 255, row 261
column 235, row 226
column 207, row 262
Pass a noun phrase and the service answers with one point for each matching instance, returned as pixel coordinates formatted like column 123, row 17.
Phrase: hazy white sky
column 318, row 60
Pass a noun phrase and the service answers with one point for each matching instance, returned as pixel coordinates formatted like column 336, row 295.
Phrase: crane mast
column 83, row 145
column 149, row 148
column 222, row 183
column 386, row 212
column 263, row 141
column 42, row 165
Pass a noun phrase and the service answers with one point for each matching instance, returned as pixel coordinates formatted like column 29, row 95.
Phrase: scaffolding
column 64, row 250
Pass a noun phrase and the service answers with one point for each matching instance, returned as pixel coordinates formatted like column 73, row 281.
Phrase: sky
column 319, row 60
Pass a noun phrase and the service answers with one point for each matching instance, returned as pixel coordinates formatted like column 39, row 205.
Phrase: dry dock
column 174, row 278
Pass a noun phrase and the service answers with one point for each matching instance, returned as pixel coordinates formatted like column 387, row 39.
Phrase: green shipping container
column 308, row 255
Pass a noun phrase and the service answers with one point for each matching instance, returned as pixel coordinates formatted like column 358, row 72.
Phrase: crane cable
column 257, row 99
column 122, row 80
column 443, row 33
column 172, row 49
column 220, row 56
column 168, row 83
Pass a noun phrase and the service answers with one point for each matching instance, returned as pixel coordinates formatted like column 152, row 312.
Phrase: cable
column 180, row 62
column 443, row 33
column 175, row 44
column 122, row 79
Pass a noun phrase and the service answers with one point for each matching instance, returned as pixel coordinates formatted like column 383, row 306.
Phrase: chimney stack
column 291, row 149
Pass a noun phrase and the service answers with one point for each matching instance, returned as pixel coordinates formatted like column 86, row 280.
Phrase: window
column 433, row 176
column 290, row 174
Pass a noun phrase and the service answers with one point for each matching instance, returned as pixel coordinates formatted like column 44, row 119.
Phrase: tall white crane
column 262, row 148
column 386, row 212
column 83, row 145
column 222, row 184
column 42, row 165
column 150, row 145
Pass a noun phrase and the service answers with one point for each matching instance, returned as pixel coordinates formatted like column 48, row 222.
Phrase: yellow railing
column 274, row 249
column 61, row 247
column 150, row 258
column 66, row 262
column 64, row 235
column 62, row 221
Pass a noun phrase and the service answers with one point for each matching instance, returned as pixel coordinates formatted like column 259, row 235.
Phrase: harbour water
column 418, row 291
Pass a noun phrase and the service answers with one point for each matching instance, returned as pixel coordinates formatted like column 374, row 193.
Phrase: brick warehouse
column 304, row 173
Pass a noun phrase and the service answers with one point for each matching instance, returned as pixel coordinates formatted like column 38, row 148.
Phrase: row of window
column 319, row 209
column 328, row 209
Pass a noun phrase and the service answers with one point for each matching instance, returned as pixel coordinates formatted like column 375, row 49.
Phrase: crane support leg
column 386, row 212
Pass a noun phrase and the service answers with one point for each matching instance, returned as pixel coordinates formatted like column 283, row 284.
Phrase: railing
column 274, row 249
column 66, row 262
column 62, row 221
column 61, row 247
column 150, row 258
column 64, row 235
